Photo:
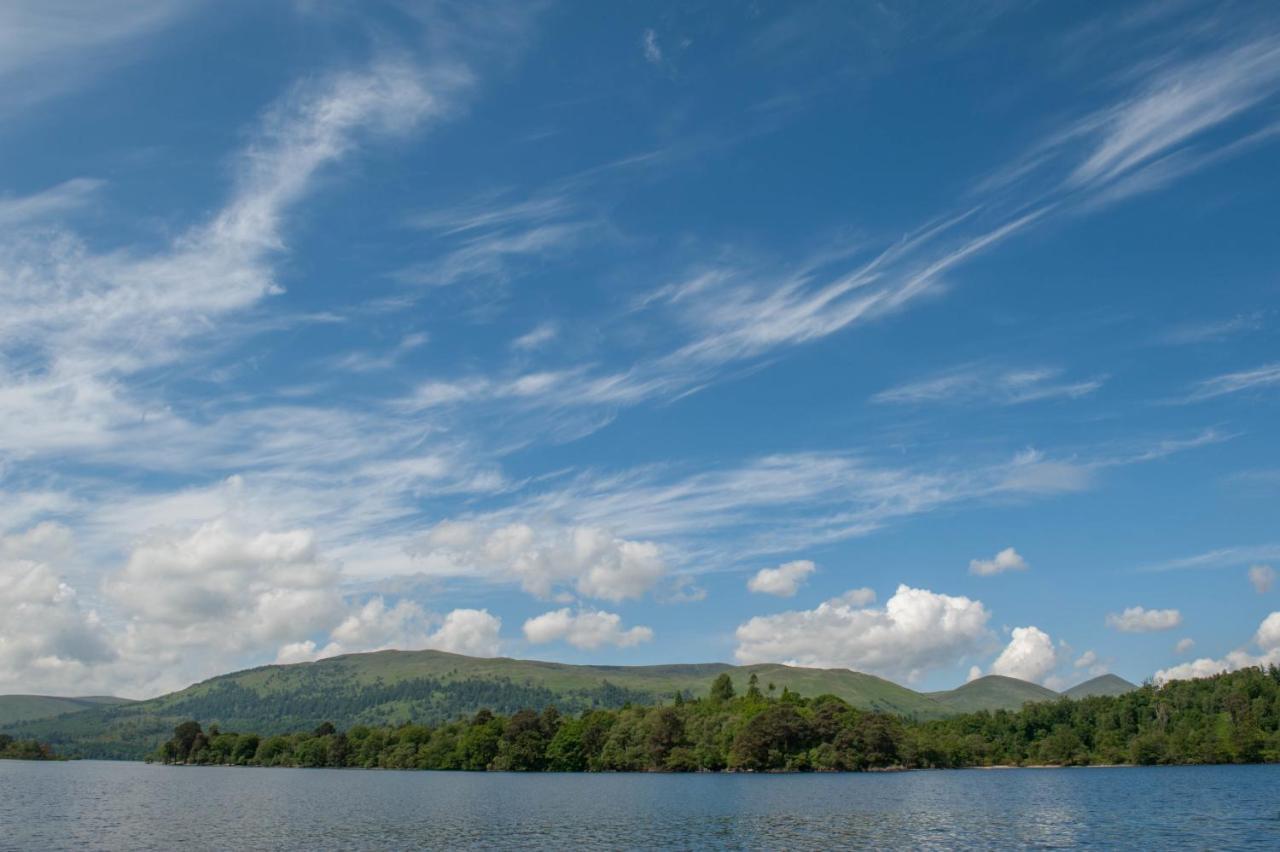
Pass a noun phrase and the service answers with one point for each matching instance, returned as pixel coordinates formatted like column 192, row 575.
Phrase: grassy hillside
column 392, row 687
column 993, row 692
column 1107, row 684
column 24, row 708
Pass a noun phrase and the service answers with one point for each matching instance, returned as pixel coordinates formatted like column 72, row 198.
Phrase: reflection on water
column 99, row 805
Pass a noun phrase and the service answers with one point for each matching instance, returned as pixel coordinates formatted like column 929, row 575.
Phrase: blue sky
column 927, row 342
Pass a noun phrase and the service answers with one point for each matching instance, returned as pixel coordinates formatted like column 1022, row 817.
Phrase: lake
column 105, row 805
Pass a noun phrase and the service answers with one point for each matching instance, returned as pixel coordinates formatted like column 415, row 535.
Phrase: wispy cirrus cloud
column 63, row 198
column 48, row 47
column 783, row 503
column 1226, row 557
column 1211, row 331
column 733, row 315
column 1257, row 378
column 1179, row 114
column 77, row 323
column 980, row 383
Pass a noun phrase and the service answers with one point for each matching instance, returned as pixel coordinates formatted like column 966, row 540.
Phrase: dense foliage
column 11, row 749
column 1231, row 718
column 132, row 731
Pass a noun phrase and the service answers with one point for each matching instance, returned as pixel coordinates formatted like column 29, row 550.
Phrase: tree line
column 1230, row 718
column 13, row 749
column 310, row 699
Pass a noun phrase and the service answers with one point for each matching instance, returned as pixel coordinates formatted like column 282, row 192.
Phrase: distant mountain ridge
column 993, row 692
column 27, row 708
column 1107, row 684
column 392, row 687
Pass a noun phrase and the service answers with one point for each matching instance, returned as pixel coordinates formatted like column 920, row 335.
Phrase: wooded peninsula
column 1230, row 718
column 12, row 749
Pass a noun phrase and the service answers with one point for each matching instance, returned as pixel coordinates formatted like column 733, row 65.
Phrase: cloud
column 979, row 384
column 537, row 337
column 1154, row 132
column 1030, row 655
column 468, row 631
column 737, row 315
column 1265, row 376
column 405, row 626
column 589, row 560
column 783, row 581
column 48, row 47
column 489, row 256
column 586, row 629
column 82, row 323
column 915, row 632
column 1182, row 113
column 219, row 591
column 1177, row 103
column 1263, row 577
column 1213, row 330
column 1227, row 557
column 368, row 362
column 1136, row 619
column 652, row 51
column 492, row 239
column 1184, row 645
column 1089, row 662
column 794, row 501
column 1006, row 560
column 63, row 198
column 48, row 638
column 1266, row 639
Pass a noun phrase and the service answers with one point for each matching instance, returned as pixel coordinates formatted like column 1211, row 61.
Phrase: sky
column 927, row 340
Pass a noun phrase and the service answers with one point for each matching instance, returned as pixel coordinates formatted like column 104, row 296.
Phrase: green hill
column 392, row 687
column 1107, row 684
column 25, row 708
column 993, row 692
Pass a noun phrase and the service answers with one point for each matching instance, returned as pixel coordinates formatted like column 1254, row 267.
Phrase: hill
column 1107, row 684
column 389, row 688
column 393, row 687
column 993, row 692
column 25, row 708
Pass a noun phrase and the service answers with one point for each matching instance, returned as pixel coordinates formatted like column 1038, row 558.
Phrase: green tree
column 722, row 688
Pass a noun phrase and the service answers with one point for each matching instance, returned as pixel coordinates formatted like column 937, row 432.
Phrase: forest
column 12, row 749
column 1230, row 718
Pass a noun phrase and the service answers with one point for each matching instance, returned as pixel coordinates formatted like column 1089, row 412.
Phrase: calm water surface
column 101, row 805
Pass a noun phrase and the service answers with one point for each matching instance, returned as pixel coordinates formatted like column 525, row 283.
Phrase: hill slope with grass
column 993, row 692
column 1107, row 684
column 393, row 687
column 27, row 708
column 389, row 688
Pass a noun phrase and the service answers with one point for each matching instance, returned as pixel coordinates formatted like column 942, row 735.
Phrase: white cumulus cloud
column 783, row 581
column 1006, row 560
column 405, row 626
column 47, row 638
column 584, row 629
column 1138, row 619
column 588, row 560
column 221, row 588
column 914, row 632
column 1030, row 655
column 1267, row 640
column 1184, row 645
